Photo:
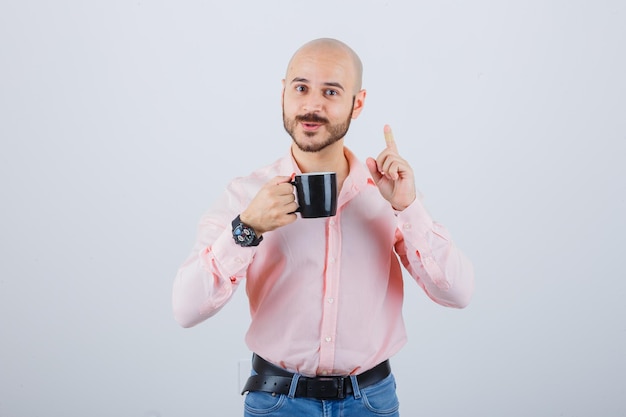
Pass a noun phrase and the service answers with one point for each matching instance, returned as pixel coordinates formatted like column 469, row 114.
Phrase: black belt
column 271, row 378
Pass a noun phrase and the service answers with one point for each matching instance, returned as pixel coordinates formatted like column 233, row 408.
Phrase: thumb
column 373, row 167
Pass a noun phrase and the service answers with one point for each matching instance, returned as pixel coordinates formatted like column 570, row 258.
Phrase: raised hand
column 392, row 174
column 272, row 207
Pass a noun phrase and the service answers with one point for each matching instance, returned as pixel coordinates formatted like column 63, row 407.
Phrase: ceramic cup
column 316, row 193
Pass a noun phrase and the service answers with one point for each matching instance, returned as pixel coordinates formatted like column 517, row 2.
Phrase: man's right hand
column 272, row 207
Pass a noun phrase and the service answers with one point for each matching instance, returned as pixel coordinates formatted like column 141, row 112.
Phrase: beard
column 335, row 131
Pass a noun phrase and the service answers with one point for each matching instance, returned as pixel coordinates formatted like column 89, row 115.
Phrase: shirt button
column 329, row 339
column 331, row 260
column 331, row 300
column 332, row 222
column 238, row 260
column 324, row 373
column 406, row 226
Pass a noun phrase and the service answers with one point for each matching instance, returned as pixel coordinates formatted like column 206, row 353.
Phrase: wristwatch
column 244, row 235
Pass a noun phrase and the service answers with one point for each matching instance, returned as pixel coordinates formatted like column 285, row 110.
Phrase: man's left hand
column 392, row 174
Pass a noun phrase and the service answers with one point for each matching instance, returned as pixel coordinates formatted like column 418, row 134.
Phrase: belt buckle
column 326, row 388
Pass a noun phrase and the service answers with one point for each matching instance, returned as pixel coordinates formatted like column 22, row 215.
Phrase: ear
column 282, row 94
column 359, row 102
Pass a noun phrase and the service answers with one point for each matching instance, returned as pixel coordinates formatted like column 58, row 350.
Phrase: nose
column 312, row 103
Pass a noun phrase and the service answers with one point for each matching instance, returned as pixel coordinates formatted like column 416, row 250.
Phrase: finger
column 373, row 168
column 393, row 171
column 280, row 185
column 291, row 208
column 385, row 159
column 389, row 140
column 394, row 167
column 284, row 188
column 282, row 179
column 289, row 198
column 389, row 168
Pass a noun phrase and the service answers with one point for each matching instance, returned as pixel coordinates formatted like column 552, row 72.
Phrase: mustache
column 311, row 118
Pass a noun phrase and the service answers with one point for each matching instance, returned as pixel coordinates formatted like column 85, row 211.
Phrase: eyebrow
column 327, row 84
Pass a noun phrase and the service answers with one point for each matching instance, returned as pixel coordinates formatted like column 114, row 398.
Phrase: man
column 325, row 294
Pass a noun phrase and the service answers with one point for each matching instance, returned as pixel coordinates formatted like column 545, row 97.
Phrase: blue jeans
column 374, row 401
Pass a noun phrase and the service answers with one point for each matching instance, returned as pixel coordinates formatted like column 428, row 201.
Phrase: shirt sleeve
column 428, row 253
column 208, row 278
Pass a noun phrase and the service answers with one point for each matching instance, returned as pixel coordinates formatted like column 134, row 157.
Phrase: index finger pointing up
column 391, row 143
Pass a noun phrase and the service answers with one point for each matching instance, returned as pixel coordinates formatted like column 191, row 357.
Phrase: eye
column 331, row 92
column 300, row 88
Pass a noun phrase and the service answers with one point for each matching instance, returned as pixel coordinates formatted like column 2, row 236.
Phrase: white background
column 121, row 122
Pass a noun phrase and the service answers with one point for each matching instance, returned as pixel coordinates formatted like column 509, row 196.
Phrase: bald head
column 328, row 49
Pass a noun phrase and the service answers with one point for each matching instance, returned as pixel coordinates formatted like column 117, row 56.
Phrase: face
column 319, row 132
column 319, row 99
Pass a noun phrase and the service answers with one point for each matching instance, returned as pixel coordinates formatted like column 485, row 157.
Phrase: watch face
column 243, row 235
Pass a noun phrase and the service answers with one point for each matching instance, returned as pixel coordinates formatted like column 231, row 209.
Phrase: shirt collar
column 358, row 178
column 359, row 174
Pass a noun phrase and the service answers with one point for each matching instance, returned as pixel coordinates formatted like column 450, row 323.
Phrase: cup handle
column 298, row 209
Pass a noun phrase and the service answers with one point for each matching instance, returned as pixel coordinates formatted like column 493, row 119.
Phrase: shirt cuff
column 416, row 218
column 231, row 259
column 426, row 237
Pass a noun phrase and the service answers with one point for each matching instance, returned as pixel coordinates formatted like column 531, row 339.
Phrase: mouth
column 310, row 126
column 311, row 122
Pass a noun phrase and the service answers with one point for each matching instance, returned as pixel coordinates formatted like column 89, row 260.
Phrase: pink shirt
column 325, row 294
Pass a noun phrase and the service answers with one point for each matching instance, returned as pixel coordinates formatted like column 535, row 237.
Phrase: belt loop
column 355, row 387
column 293, row 386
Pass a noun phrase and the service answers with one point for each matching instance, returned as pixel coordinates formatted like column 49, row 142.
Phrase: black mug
column 316, row 193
